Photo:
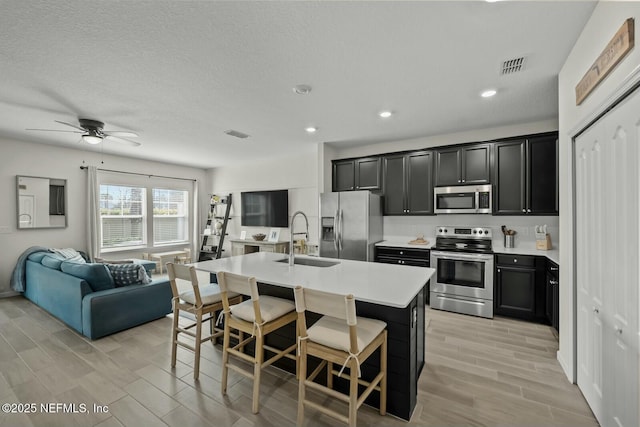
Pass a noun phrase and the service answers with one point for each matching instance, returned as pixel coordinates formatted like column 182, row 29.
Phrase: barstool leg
column 301, row 382
column 196, row 365
column 174, row 335
column 257, row 369
column 225, row 356
column 353, row 393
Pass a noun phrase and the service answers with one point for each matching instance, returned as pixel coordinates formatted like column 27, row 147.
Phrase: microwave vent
column 513, row 65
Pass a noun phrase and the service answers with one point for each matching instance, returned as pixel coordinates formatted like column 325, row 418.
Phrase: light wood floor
column 478, row 372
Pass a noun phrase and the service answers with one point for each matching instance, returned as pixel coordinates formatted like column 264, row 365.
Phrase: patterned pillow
column 128, row 274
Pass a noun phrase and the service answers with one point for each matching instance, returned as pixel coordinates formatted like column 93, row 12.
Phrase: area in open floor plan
column 478, row 372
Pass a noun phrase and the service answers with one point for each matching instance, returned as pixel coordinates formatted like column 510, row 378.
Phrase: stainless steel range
column 463, row 259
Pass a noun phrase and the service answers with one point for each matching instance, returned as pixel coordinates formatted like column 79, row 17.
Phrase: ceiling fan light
column 91, row 139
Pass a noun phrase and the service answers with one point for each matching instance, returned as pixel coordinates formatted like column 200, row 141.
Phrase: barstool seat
column 270, row 308
column 333, row 332
column 209, row 294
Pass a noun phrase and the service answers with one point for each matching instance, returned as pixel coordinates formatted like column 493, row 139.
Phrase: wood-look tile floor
column 478, row 372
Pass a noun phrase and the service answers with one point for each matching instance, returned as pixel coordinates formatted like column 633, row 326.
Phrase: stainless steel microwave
column 464, row 199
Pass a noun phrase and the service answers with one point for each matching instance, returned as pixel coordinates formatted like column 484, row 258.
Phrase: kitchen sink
column 311, row 262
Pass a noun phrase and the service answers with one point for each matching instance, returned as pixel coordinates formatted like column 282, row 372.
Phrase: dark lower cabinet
column 552, row 306
column 520, row 287
column 417, row 257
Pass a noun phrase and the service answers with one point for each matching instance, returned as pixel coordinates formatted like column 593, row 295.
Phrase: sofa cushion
column 97, row 275
column 52, row 261
column 128, row 274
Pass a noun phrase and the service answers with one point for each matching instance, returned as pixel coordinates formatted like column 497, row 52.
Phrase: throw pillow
column 97, row 275
column 128, row 274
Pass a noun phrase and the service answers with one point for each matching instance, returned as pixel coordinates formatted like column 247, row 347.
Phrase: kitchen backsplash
column 408, row 227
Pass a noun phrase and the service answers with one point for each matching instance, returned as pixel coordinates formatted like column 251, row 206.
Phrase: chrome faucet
column 291, row 234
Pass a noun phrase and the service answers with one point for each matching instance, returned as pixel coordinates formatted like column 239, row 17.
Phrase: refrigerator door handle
column 335, row 230
column 340, row 226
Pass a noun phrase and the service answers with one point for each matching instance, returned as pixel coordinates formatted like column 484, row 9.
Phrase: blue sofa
column 89, row 303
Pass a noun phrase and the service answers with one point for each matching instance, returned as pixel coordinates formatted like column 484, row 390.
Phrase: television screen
column 265, row 208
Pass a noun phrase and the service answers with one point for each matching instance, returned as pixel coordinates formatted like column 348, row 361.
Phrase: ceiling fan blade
column 69, row 124
column 57, row 130
column 122, row 140
column 121, row 133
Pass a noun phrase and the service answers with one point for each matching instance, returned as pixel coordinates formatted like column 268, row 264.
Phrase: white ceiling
column 180, row 73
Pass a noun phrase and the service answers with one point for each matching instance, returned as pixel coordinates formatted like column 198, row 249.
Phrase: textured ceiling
column 180, row 73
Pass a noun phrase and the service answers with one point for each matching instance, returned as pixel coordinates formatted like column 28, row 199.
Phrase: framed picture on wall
column 274, row 234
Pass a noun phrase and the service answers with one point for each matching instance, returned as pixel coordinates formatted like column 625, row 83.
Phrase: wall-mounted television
column 265, row 208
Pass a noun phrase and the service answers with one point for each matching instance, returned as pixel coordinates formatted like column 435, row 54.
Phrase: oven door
column 463, row 274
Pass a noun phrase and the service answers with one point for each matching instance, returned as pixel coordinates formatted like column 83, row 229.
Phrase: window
column 128, row 221
column 122, row 216
column 170, row 216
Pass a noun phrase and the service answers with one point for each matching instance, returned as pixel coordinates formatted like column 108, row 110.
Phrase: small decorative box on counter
column 543, row 240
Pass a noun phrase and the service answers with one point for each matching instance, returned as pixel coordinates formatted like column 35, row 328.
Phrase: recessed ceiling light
column 385, row 114
column 488, row 93
column 302, row 89
column 311, row 129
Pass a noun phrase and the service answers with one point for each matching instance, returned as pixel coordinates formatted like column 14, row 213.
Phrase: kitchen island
column 394, row 294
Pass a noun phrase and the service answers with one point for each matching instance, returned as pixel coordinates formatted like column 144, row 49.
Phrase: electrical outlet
column 5, row 229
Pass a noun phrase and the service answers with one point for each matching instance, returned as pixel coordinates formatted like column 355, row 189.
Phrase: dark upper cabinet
column 526, row 176
column 463, row 165
column 408, row 183
column 357, row 174
column 344, row 175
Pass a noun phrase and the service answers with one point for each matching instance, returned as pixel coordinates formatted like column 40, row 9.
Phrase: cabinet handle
column 553, row 282
column 554, row 269
column 524, row 210
column 528, row 210
column 401, row 253
column 596, row 310
column 357, row 187
column 458, row 180
column 618, row 330
column 463, row 180
column 499, row 270
column 515, row 260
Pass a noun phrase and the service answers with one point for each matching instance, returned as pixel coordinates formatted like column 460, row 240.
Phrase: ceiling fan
column 93, row 132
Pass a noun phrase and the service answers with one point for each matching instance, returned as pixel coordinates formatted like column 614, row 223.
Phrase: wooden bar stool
column 200, row 301
column 338, row 337
column 258, row 317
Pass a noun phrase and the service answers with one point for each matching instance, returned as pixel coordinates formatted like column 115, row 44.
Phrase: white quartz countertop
column 405, row 244
column 384, row 284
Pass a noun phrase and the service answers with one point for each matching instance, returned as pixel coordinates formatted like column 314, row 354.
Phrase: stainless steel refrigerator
column 350, row 224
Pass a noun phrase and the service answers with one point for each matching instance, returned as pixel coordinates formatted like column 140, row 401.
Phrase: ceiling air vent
column 511, row 66
column 236, row 133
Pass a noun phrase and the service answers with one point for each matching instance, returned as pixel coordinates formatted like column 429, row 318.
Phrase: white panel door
column 607, row 264
column 589, row 230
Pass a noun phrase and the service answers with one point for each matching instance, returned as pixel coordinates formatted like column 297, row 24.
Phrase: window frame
column 149, row 183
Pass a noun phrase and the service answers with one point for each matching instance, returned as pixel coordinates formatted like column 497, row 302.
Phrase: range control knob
column 486, row 231
column 474, row 231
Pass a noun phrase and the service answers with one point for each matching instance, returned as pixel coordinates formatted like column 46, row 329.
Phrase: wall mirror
column 42, row 202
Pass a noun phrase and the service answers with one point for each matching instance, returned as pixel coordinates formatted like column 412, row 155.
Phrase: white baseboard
column 565, row 367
